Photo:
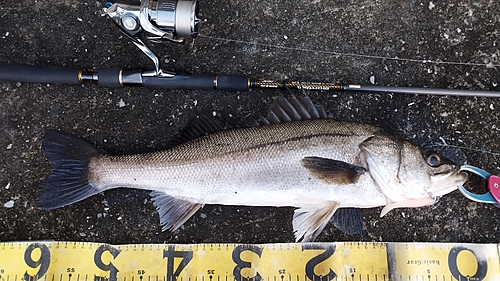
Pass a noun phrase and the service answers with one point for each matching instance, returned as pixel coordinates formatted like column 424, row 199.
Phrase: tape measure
column 342, row 261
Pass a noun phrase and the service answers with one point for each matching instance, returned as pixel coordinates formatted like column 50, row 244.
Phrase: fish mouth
column 444, row 183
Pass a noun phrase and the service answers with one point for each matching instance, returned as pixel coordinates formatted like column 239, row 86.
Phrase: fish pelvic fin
column 412, row 203
column 332, row 171
column 69, row 181
column 311, row 219
column 173, row 212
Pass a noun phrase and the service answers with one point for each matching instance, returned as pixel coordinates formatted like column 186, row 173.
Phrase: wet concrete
column 448, row 44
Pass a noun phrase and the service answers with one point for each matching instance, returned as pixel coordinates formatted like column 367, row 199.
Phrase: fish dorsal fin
column 332, row 171
column 311, row 218
column 201, row 126
column 292, row 109
column 173, row 212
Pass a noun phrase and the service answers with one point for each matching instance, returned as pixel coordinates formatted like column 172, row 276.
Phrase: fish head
column 406, row 173
column 424, row 169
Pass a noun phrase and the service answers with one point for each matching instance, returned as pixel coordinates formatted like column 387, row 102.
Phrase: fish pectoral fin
column 311, row 219
column 173, row 212
column 348, row 220
column 409, row 203
column 332, row 171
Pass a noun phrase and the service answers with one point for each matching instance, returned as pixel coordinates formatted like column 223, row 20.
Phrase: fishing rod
column 173, row 21
column 116, row 77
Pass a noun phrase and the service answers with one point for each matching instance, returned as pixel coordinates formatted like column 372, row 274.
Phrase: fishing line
column 444, row 144
column 335, row 53
column 483, row 151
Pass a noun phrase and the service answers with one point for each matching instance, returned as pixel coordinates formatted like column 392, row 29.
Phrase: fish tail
column 69, row 181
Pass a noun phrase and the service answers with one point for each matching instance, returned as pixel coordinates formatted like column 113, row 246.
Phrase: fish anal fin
column 173, row 212
column 332, row 171
column 348, row 220
column 311, row 219
column 410, row 203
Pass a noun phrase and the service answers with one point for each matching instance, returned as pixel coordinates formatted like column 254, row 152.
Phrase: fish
column 296, row 156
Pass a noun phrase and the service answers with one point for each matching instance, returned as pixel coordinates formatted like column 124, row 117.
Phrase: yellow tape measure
column 349, row 261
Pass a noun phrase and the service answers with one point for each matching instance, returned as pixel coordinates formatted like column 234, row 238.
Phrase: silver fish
column 295, row 157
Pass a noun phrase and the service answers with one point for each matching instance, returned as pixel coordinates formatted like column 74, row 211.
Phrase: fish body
column 294, row 158
column 258, row 166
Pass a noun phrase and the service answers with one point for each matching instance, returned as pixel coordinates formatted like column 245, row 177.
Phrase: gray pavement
column 448, row 44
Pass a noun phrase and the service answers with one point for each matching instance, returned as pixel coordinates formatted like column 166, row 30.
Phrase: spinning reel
column 156, row 20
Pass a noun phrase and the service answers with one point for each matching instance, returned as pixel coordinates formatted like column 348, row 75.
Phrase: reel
column 157, row 20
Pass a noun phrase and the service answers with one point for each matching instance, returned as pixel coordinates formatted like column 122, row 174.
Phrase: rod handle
column 39, row 74
column 233, row 83
column 199, row 82
column 110, row 77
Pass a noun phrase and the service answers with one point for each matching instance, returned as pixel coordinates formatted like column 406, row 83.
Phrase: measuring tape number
column 349, row 261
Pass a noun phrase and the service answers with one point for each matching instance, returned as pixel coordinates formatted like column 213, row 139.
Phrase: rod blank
column 421, row 91
column 116, row 77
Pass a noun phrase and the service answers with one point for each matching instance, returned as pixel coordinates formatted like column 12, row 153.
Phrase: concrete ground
column 439, row 43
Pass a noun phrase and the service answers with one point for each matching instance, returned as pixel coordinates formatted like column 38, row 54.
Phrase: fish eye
column 433, row 160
